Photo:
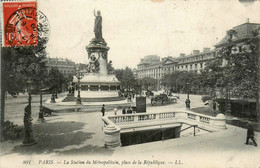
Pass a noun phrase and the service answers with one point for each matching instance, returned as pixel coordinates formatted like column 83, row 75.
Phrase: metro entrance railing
column 115, row 124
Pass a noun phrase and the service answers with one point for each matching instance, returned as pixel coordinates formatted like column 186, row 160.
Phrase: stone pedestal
column 98, row 49
column 102, row 64
column 99, row 88
column 97, row 85
column 112, row 136
column 220, row 121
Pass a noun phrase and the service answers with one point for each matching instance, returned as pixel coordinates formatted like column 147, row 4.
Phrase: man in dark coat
column 214, row 105
column 129, row 110
column 123, row 111
column 103, row 110
column 250, row 135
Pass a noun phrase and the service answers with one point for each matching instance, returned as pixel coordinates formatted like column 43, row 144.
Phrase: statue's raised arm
column 94, row 13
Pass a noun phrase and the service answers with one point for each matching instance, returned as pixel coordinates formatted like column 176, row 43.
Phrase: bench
column 46, row 111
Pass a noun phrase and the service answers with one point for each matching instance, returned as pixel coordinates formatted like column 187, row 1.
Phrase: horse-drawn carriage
column 163, row 99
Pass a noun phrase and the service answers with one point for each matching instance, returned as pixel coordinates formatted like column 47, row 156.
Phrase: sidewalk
column 79, row 136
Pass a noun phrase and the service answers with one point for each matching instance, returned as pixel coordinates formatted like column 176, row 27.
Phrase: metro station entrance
column 145, row 136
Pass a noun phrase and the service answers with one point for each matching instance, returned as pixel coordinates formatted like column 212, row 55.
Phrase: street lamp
column 78, row 77
column 27, row 120
column 176, row 86
column 159, row 74
column 56, row 93
column 52, row 97
column 177, row 89
column 41, row 117
column 187, row 102
column 228, row 109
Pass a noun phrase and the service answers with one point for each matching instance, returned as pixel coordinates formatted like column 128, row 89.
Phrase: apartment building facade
column 154, row 67
column 65, row 66
column 157, row 68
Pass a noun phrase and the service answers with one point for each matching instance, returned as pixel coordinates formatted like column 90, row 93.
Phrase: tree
column 18, row 68
column 55, row 80
column 19, row 64
column 179, row 79
column 235, row 67
column 258, row 78
column 119, row 74
column 67, row 79
column 234, row 70
column 82, row 66
column 126, row 77
column 211, row 76
column 148, row 82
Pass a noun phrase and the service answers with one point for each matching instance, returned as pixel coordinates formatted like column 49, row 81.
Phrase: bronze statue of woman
column 98, row 25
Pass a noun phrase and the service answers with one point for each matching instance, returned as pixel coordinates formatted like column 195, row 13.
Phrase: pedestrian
column 128, row 97
column 129, row 111
column 214, row 105
column 250, row 135
column 73, row 89
column 103, row 110
column 123, row 111
column 115, row 111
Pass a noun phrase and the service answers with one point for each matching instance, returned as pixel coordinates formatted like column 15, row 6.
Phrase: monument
column 96, row 84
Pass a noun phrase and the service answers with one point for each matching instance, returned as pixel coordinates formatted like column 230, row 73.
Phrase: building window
column 201, row 65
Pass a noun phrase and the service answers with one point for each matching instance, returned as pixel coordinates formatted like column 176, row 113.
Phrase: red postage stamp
column 20, row 23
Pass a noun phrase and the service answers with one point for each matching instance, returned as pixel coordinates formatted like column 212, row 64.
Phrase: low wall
column 96, row 94
column 118, row 121
column 112, row 134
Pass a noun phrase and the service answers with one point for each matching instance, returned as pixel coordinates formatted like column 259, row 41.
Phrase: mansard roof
column 239, row 33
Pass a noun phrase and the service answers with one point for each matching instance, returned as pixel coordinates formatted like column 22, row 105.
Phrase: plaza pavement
column 79, row 136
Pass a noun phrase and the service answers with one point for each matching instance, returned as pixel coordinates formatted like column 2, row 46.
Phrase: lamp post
column 41, row 117
column 79, row 77
column 52, row 97
column 28, row 136
column 56, row 93
column 228, row 107
column 176, row 87
column 187, row 102
column 159, row 77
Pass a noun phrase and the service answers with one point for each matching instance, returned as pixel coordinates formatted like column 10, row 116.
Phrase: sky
column 136, row 28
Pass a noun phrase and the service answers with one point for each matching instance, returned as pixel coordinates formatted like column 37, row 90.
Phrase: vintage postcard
column 130, row 83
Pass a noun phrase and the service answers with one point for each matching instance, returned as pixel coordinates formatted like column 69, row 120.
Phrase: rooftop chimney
column 206, row 49
column 182, row 54
column 196, row 52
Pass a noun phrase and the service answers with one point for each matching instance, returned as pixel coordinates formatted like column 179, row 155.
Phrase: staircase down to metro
column 131, row 129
